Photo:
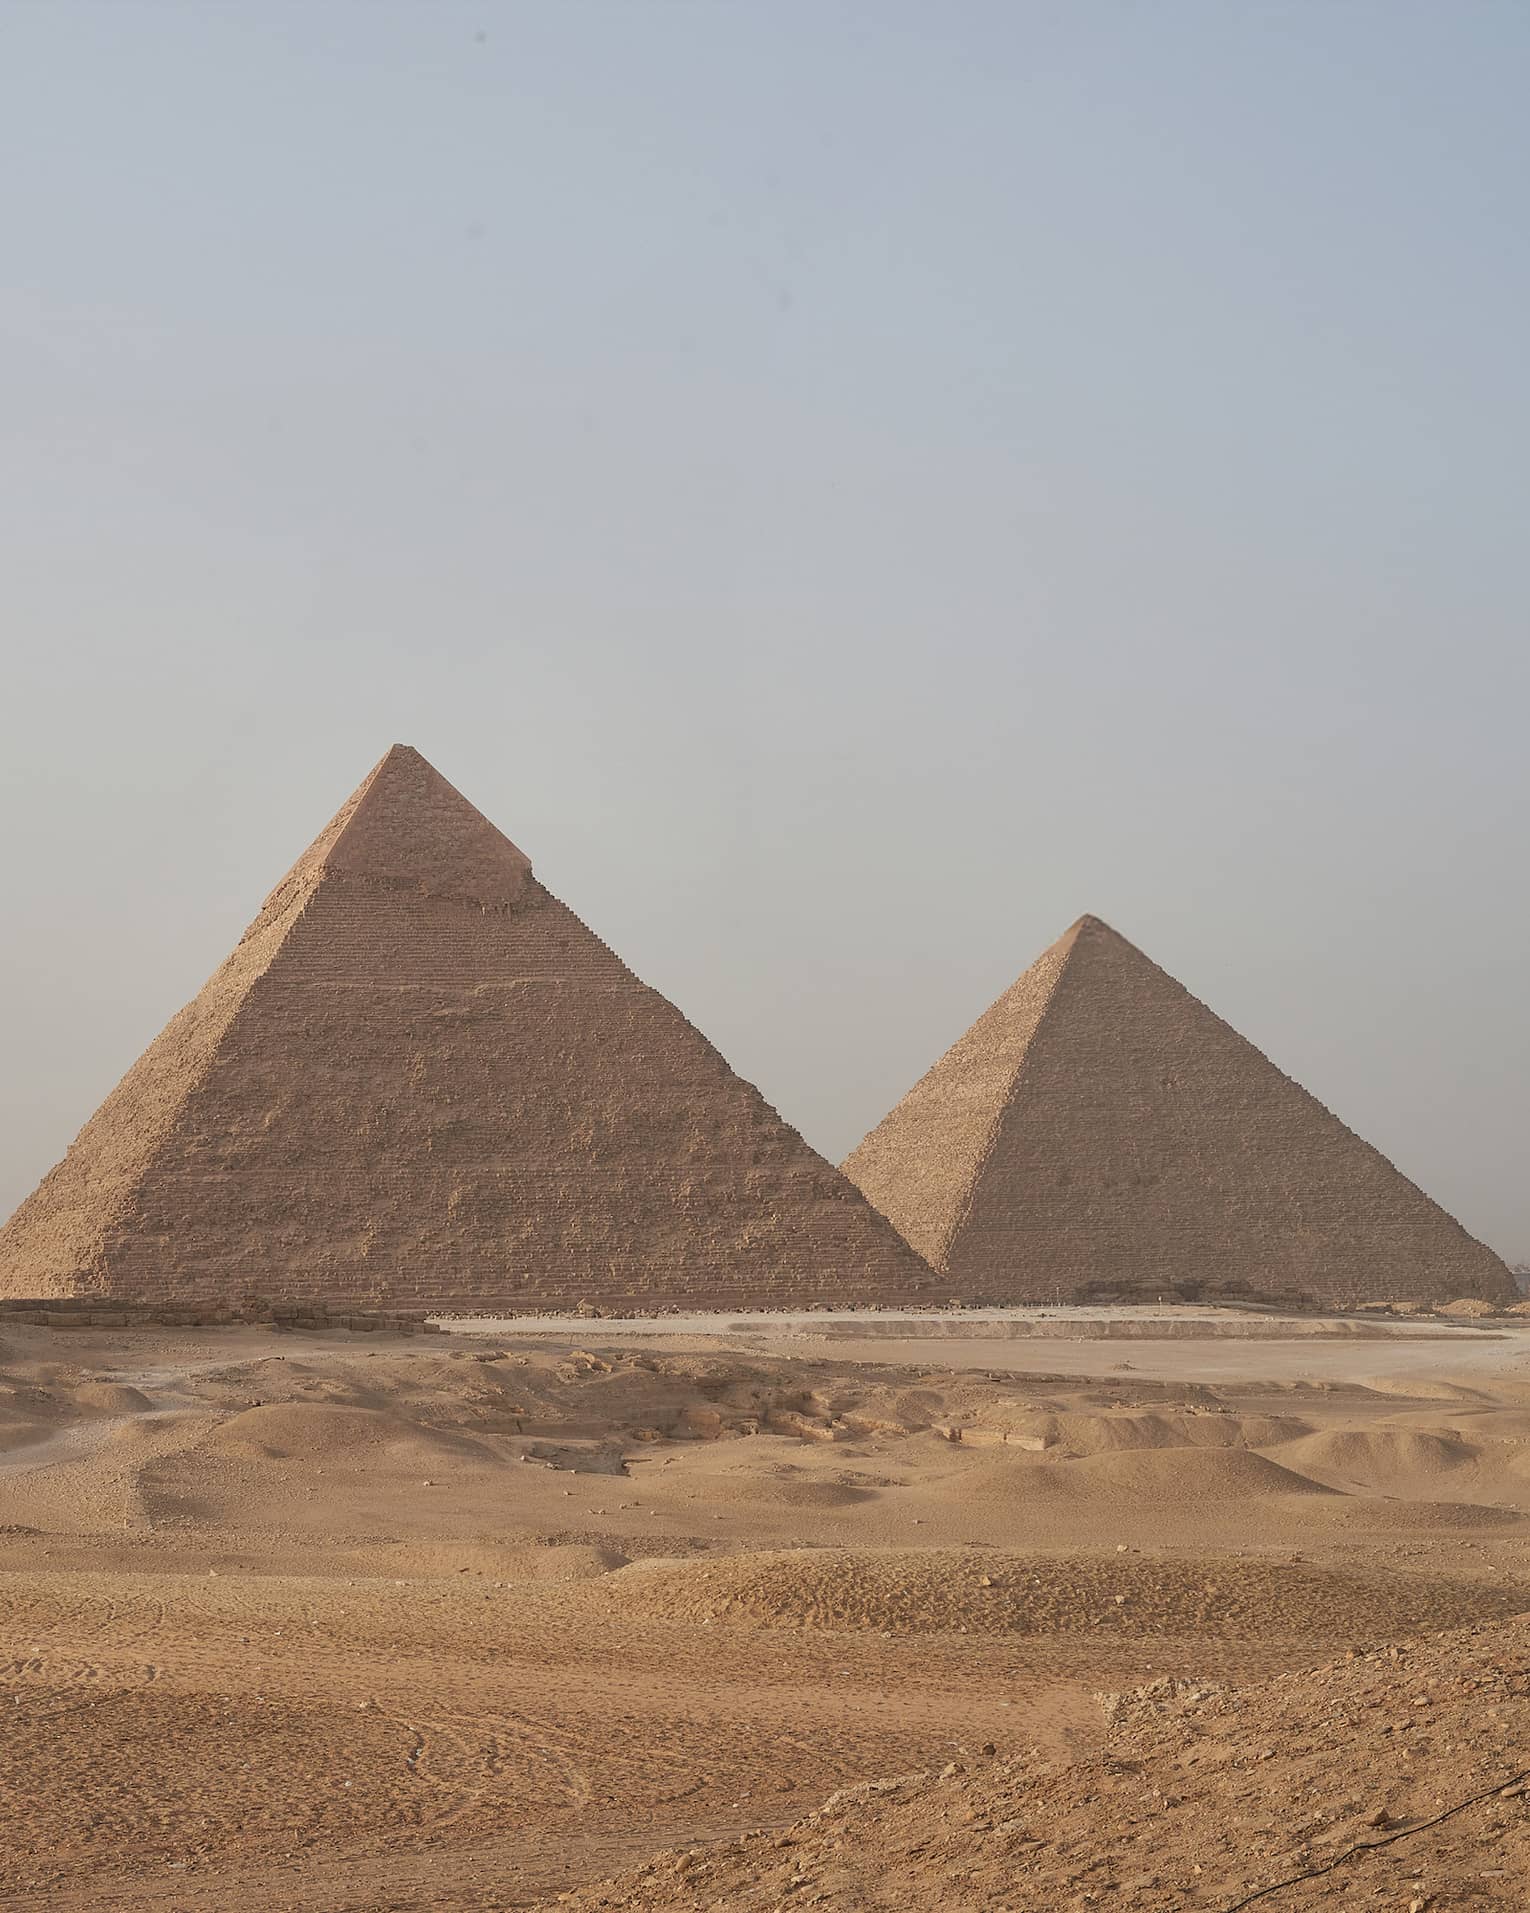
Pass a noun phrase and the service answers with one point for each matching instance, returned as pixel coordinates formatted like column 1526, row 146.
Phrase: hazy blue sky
column 847, row 487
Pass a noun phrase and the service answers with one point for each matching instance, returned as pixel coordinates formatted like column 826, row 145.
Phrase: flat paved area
column 1166, row 1344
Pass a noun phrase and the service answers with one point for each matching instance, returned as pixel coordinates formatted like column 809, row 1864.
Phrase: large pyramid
column 1100, row 1131
column 421, row 1081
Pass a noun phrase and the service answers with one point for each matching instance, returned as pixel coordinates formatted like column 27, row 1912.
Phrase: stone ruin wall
column 86, row 1312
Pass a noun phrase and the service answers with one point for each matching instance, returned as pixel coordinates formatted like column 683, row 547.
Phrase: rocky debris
column 1202, row 1795
column 918, row 1591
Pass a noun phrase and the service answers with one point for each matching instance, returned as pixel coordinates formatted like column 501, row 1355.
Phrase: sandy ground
column 362, row 1622
column 1201, row 1798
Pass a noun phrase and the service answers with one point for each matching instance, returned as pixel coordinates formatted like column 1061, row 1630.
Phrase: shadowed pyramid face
column 1098, row 1130
column 420, row 1079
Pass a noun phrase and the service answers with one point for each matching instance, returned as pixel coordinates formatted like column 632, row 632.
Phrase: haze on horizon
column 846, row 487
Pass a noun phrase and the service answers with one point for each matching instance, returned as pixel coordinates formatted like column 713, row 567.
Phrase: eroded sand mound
column 111, row 1398
column 989, row 1592
column 794, row 1488
column 317, row 1431
column 1201, row 1797
column 1376, row 1514
column 574, row 1561
column 1079, row 1433
column 1186, row 1476
column 506, row 1566
column 1492, row 1424
column 1423, row 1388
column 1384, row 1460
column 18, row 1431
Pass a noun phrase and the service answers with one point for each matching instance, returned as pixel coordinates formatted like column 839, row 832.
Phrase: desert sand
column 486, row 1618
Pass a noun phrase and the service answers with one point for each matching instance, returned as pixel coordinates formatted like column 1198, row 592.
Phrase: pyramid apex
column 1096, row 932
column 1084, row 926
column 397, row 757
column 405, row 825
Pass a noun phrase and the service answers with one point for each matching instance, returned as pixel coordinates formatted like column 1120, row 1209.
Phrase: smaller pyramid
column 1099, row 1131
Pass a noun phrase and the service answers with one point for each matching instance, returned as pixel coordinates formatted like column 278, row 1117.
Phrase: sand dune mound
column 1082, row 1434
column 1495, row 1424
column 1181, row 1475
column 797, row 1491
column 136, row 1434
column 316, row 1431
column 20, row 1431
column 928, row 1591
column 781, row 1485
column 1175, row 1474
column 1388, row 1460
column 1422, row 1388
column 573, row 1561
column 561, row 1564
column 1201, row 1798
column 1381, row 1515
column 112, row 1398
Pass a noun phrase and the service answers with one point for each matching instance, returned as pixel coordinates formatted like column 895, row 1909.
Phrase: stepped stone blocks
column 1099, row 1131
column 420, row 1082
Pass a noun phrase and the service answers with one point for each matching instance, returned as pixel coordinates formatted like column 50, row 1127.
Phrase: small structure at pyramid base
column 1099, row 1133
column 420, row 1082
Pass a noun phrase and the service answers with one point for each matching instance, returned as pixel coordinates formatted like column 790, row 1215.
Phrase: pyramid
column 420, row 1081
column 1098, row 1131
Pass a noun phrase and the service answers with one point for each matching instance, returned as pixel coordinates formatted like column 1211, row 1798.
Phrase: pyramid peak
column 1090, row 925
column 1096, row 933
column 406, row 826
column 1085, row 927
column 398, row 755
column 398, row 760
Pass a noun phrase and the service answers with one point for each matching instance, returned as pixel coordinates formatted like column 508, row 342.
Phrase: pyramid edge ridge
column 937, row 1256
column 90, row 1272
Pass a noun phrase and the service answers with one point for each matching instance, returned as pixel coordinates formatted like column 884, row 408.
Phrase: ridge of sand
column 993, row 1591
column 1179, row 1475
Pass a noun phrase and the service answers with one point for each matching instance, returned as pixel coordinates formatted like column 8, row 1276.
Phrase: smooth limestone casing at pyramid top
column 1098, row 1130
column 420, row 1080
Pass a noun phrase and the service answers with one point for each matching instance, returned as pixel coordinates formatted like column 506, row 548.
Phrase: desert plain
column 1150, row 1609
